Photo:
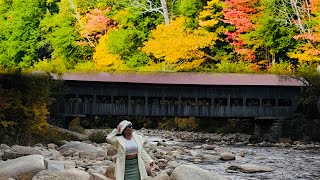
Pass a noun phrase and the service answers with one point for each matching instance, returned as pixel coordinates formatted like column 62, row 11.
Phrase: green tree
column 211, row 19
column 271, row 38
column 19, row 31
column 60, row 36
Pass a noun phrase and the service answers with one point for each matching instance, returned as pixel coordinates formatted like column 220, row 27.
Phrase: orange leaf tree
column 309, row 50
column 96, row 24
column 239, row 13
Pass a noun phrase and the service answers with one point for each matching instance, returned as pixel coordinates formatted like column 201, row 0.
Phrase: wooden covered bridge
column 177, row 94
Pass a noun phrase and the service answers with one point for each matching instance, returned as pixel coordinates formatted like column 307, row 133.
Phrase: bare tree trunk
column 165, row 11
column 273, row 58
column 79, row 19
column 151, row 6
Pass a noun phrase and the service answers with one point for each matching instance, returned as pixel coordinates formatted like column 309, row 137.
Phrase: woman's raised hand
column 118, row 128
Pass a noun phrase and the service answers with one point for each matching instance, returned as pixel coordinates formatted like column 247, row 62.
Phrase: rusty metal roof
column 184, row 78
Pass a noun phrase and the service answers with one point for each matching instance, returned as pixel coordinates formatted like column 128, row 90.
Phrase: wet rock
column 226, row 156
column 250, row 168
column 208, row 147
column 209, row 157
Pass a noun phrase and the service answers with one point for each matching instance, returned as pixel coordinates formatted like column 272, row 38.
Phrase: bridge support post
column 268, row 128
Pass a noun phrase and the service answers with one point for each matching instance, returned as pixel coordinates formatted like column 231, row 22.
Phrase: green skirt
column 132, row 170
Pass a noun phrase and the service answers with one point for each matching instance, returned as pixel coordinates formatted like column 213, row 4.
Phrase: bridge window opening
column 80, row 99
column 284, row 102
column 220, row 101
column 154, row 100
column 104, row 99
column 71, row 98
column 252, row 102
column 137, row 100
column 204, row 101
column 236, row 101
column 85, row 98
column 188, row 101
column 268, row 102
column 120, row 99
column 171, row 101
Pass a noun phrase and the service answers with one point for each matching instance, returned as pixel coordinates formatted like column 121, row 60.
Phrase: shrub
column 235, row 67
column 182, row 124
column 75, row 125
column 98, row 137
column 24, row 107
column 186, row 124
column 280, row 68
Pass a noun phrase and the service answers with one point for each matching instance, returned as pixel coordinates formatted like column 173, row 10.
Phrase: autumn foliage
column 109, row 35
column 25, row 100
column 238, row 13
column 177, row 47
column 96, row 24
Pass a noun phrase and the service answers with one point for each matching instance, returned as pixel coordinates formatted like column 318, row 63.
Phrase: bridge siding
column 179, row 92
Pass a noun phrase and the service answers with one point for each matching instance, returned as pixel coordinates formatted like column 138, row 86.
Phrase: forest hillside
column 273, row 36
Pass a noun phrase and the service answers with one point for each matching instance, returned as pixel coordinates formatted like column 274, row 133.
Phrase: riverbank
column 229, row 156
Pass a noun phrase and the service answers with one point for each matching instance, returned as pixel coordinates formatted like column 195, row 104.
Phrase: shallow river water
column 287, row 163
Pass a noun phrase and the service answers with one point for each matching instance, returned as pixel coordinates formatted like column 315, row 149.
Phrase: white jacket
column 143, row 157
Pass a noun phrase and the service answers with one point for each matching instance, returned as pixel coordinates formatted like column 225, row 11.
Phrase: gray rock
column 80, row 146
column 19, row 151
column 70, row 174
column 192, row 172
column 226, row 156
column 52, row 165
column 250, row 168
column 96, row 176
column 31, row 164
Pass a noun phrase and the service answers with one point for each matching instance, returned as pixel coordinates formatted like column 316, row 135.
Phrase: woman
column 131, row 155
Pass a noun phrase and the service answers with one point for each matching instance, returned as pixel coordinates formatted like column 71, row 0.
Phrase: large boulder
column 83, row 147
column 70, row 174
column 19, row 151
column 15, row 168
column 193, row 172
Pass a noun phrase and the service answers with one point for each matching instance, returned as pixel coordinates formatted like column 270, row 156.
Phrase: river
column 287, row 163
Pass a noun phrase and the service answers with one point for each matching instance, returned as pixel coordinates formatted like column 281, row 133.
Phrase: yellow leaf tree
column 103, row 59
column 177, row 48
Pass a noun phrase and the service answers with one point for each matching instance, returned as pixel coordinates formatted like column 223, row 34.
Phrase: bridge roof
column 184, row 78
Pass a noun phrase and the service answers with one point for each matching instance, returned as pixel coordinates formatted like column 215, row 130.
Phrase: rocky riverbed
column 285, row 159
column 179, row 155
